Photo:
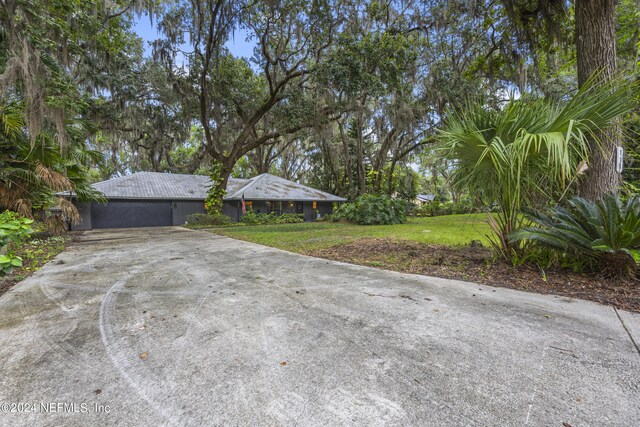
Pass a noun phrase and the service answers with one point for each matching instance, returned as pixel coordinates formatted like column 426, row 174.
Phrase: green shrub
column 270, row 218
column 203, row 219
column 14, row 230
column 436, row 208
column 598, row 236
column 326, row 218
column 371, row 209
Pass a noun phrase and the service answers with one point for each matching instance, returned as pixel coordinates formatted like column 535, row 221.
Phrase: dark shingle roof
column 157, row 185
column 271, row 187
column 426, row 197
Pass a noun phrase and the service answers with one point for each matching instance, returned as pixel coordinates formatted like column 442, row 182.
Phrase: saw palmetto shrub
column 599, row 236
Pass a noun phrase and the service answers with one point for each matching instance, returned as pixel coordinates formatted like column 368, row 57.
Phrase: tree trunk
column 596, row 53
column 348, row 177
column 380, row 160
column 360, row 156
column 390, row 186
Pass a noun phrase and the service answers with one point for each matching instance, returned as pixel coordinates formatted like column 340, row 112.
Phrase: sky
column 238, row 45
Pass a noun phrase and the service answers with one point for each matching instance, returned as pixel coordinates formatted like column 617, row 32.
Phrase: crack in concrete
column 635, row 344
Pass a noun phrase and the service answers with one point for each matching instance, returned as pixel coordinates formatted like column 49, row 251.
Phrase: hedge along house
column 153, row 199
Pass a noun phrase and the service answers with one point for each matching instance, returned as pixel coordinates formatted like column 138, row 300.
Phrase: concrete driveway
column 175, row 327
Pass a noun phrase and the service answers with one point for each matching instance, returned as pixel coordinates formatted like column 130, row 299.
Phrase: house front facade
column 153, row 199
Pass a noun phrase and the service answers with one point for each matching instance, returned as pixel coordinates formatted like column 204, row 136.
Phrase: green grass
column 450, row 230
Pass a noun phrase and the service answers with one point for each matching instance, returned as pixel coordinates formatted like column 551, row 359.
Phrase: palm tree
column 528, row 153
column 32, row 175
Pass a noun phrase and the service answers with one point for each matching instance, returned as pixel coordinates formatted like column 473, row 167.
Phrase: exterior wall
column 288, row 207
column 308, row 211
column 122, row 212
column 258, row 206
column 231, row 209
column 264, row 206
column 181, row 209
column 324, row 208
column 84, row 209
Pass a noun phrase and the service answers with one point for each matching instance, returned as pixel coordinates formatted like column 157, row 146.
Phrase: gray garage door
column 131, row 213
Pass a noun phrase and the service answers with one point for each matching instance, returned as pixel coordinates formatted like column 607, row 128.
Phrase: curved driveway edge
column 169, row 326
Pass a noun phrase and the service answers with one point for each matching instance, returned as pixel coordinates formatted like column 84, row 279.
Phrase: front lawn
column 450, row 230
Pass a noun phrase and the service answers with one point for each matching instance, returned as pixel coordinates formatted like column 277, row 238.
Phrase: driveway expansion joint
column 626, row 329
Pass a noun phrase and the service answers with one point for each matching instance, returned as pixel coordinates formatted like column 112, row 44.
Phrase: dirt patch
column 475, row 264
column 35, row 253
column 7, row 283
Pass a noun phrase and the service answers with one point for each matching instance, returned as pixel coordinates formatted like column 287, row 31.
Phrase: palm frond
column 600, row 233
column 529, row 151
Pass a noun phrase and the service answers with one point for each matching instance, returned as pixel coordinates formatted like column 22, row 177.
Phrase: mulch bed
column 49, row 251
column 8, row 282
column 476, row 264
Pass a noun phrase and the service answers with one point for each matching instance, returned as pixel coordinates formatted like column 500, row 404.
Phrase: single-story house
column 152, row 199
column 421, row 199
